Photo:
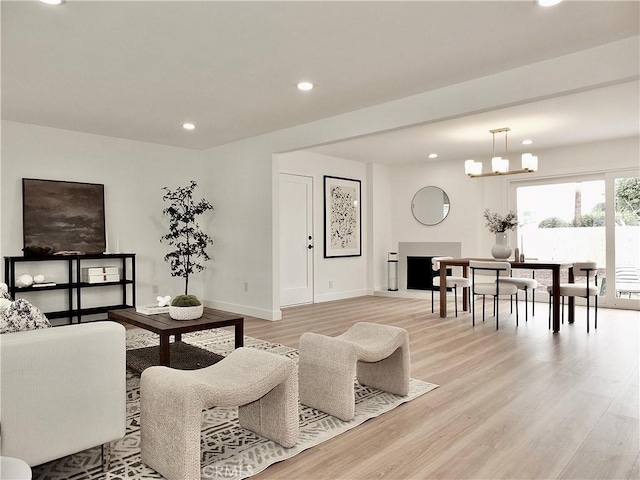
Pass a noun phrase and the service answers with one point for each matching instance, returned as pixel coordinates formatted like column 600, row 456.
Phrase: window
column 588, row 218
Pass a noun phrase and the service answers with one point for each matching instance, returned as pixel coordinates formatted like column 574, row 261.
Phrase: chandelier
column 500, row 165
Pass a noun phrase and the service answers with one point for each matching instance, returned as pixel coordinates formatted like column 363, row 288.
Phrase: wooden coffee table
column 163, row 325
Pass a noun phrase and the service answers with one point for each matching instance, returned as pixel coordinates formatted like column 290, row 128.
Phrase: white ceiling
column 138, row 70
column 605, row 113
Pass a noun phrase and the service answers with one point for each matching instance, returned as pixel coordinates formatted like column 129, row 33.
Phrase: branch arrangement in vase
column 496, row 223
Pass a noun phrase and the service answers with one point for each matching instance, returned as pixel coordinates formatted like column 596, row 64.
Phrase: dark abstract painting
column 63, row 216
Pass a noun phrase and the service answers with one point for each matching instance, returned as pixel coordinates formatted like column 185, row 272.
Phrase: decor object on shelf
column 342, row 217
column 39, row 278
column 33, row 251
column 185, row 234
column 100, row 274
column 24, row 280
column 500, row 165
column 499, row 225
column 185, row 307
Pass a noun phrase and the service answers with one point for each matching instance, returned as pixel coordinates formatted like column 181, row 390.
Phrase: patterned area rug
column 228, row 451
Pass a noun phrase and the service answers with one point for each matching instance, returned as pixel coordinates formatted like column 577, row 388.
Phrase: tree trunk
column 577, row 215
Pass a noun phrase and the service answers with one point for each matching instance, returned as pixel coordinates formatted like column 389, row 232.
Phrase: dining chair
column 451, row 281
column 527, row 285
column 498, row 271
column 627, row 281
column 587, row 289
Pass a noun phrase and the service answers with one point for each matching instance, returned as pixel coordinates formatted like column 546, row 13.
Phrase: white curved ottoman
column 14, row 469
column 377, row 354
column 262, row 384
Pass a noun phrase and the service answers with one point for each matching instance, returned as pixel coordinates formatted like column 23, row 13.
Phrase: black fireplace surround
column 420, row 273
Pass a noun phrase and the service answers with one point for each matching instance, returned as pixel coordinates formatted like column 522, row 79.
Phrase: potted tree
column 190, row 244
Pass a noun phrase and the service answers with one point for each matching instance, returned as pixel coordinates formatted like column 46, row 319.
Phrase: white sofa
column 62, row 390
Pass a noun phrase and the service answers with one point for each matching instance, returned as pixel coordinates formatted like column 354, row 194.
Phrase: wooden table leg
column 239, row 334
column 164, row 350
column 556, row 299
column 177, row 337
column 443, row 290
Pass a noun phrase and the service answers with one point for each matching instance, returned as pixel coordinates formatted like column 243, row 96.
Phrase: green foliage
column 185, row 235
column 627, row 193
column 185, row 301
column 553, row 222
column 595, row 219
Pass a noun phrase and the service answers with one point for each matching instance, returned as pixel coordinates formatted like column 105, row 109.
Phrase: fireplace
column 426, row 250
column 420, row 273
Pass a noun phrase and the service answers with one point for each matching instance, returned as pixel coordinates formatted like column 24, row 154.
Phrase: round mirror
column 430, row 205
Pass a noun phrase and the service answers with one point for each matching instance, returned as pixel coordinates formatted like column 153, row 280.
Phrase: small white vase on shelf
column 501, row 250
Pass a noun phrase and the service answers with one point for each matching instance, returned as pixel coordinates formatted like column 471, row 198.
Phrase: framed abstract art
column 63, row 216
column 342, row 217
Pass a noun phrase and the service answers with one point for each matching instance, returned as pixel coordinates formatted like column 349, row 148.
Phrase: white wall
column 381, row 227
column 348, row 275
column 133, row 174
column 470, row 196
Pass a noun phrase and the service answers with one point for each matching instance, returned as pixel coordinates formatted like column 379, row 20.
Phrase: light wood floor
column 514, row 403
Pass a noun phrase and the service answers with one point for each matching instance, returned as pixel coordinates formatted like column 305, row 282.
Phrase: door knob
column 310, row 247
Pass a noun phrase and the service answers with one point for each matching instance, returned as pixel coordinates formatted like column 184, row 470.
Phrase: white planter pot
column 186, row 313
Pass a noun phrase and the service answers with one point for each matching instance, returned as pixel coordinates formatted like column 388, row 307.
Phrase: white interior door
column 296, row 239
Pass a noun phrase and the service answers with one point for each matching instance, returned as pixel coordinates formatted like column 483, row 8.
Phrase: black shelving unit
column 74, row 283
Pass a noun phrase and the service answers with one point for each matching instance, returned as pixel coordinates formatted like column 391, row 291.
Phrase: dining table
column 554, row 265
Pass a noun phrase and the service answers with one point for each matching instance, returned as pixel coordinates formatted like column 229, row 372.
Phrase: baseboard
column 244, row 310
column 328, row 297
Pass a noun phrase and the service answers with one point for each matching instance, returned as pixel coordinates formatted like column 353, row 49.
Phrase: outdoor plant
column 497, row 223
column 185, row 234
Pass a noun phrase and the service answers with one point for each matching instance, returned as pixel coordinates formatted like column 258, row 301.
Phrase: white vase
column 501, row 250
column 186, row 313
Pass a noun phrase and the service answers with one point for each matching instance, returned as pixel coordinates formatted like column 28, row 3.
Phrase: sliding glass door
column 625, row 268
column 585, row 218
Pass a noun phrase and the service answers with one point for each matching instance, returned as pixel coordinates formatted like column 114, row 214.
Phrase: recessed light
column 548, row 3
column 188, row 126
column 52, row 2
column 433, row 155
column 527, row 142
column 305, row 86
